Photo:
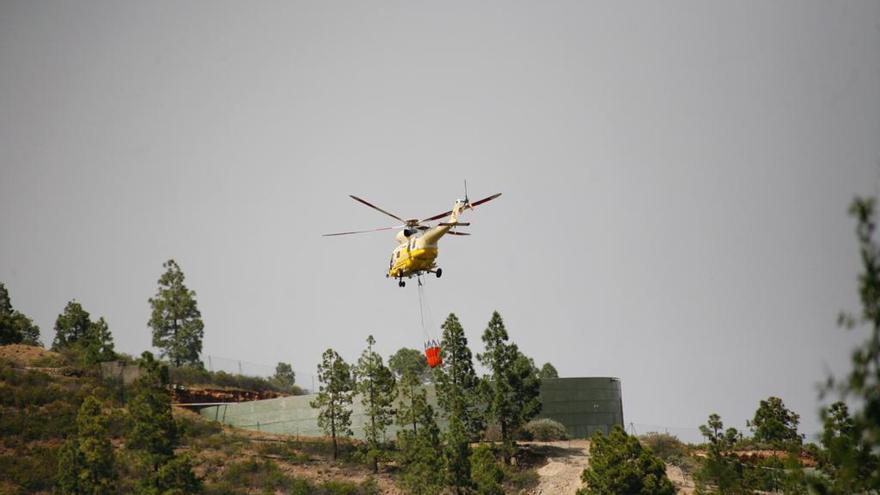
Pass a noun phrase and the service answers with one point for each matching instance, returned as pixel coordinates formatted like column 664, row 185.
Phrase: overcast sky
column 675, row 179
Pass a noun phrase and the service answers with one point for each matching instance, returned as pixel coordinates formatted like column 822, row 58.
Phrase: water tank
column 583, row 405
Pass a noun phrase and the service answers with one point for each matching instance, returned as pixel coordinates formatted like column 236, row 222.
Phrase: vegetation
column 619, row 464
column 188, row 375
column 669, row 449
column 546, row 429
column 511, row 390
column 334, row 397
column 410, row 361
column 851, row 440
column 75, row 332
column 420, row 452
column 775, row 425
column 548, row 371
column 375, row 384
column 153, row 433
column 15, row 327
column 176, row 320
column 486, row 472
column 284, row 377
column 457, row 395
column 87, row 463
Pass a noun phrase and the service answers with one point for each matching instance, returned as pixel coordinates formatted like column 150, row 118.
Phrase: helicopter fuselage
column 416, row 253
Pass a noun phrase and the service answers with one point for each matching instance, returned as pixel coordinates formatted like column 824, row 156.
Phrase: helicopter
column 416, row 252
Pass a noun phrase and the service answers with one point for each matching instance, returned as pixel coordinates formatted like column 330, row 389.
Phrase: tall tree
column 86, row 464
column 75, row 330
column 548, row 371
column 863, row 381
column 15, row 327
column 284, row 376
column 153, row 433
column 457, row 395
column 720, row 472
column 511, row 389
column 98, row 346
column 413, row 400
column 619, row 464
column 410, row 360
column 334, row 397
column 420, row 454
column 71, row 326
column 845, row 461
column 176, row 321
column 775, row 424
column 375, row 384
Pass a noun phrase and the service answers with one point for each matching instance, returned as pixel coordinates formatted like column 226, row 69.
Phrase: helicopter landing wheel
column 439, row 272
column 401, row 283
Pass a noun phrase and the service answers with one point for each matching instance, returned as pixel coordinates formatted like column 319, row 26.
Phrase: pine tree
column 334, row 397
column 98, row 345
column 87, row 463
column 15, row 327
column 153, row 432
column 75, row 330
column 619, row 464
column 511, row 389
column 457, row 395
column 71, row 326
column 420, row 454
column 486, row 472
column 407, row 360
column 375, row 384
column 548, row 371
column 413, row 400
column 775, row 424
column 284, row 376
column 176, row 321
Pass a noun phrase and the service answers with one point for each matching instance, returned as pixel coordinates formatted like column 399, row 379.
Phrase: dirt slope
column 565, row 463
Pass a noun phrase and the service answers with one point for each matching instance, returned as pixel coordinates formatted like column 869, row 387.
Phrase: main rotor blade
column 363, row 231
column 437, row 217
column 490, row 198
column 447, row 213
column 457, row 233
column 392, row 215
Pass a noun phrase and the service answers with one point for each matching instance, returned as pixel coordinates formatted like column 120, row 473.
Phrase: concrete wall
column 583, row 405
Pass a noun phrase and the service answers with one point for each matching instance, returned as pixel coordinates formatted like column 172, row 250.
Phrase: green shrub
column 546, row 429
column 667, row 447
column 485, row 471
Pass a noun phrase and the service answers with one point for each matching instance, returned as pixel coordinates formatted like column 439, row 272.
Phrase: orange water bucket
column 432, row 352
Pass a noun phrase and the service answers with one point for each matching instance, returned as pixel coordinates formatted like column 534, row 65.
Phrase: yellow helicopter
column 418, row 241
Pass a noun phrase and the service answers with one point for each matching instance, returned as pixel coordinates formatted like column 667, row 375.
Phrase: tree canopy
column 375, row 384
column 511, row 389
column 412, row 361
column 775, row 424
column 15, row 327
column 176, row 320
column 620, row 465
column 75, row 330
column 334, row 397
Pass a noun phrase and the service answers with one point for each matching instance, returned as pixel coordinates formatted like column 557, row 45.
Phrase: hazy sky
column 675, row 179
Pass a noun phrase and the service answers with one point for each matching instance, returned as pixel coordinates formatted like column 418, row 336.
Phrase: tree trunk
column 333, row 433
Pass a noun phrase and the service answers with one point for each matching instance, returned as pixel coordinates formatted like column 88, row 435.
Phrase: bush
column 485, row 471
column 619, row 464
column 665, row 446
column 546, row 429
